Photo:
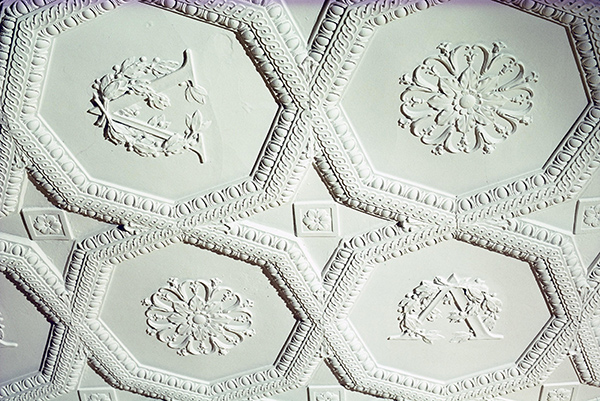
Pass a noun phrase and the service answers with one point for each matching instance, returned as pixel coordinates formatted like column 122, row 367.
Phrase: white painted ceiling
column 300, row 201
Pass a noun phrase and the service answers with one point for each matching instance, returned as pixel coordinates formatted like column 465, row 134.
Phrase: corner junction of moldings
column 23, row 263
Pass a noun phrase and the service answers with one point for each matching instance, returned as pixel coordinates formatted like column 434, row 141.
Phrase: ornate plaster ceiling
column 300, row 201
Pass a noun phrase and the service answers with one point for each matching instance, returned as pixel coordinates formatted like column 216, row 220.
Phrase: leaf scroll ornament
column 475, row 307
column 466, row 98
column 135, row 77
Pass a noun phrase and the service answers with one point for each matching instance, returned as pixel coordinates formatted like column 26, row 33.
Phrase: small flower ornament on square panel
column 46, row 224
column 315, row 219
column 97, row 394
column 466, row 98
column 559, row 392
column 326, row 393
column 198, row 317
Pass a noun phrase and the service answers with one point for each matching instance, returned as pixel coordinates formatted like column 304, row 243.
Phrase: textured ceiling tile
column 159, row 209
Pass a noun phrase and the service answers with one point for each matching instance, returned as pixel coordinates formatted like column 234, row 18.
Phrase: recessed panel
column 523, row 114
column 436, row 312
column 23, row 334
column 157, row 102
column 192, row 312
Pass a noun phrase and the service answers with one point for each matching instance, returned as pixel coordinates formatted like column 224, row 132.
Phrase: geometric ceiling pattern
column 304, row 201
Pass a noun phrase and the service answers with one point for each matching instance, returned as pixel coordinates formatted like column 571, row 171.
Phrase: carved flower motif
column 198, row 317
column 47, row 224
column 317, row 220
column 466, row 98
column 559, row 394
column 591, row 216
column 327, row 396
column 98, row 397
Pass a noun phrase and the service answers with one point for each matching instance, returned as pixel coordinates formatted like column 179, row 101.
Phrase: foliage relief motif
column 135, row 77
column 466, row 98
column 3, row 343
column 198, row 317
column 419, row 307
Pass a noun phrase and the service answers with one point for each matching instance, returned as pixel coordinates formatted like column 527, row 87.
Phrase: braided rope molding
column 338, row 46
column 27, row 267
column 12, row 171
column 343, row 36
column 555, row 265
column 587, row 355
column 12, row 176
column 265, row 32
column 284, row 264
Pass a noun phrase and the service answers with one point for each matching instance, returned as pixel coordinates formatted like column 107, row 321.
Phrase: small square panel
column 315, row 219
column 97, row 394
column 46, row 224
column 326, row 393
column 587, row 215
column 559, row 392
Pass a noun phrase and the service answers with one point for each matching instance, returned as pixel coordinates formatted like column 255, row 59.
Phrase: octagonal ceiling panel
column 235, row 299
column 231, row 98
column 507, row 294
column 460, row 97
column 552, row 102
column 157, row 103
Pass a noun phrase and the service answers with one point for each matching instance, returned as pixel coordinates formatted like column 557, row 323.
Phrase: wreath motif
column 134, row 76
column 481, row 304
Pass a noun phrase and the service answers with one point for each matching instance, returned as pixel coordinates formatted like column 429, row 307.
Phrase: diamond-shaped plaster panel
column 55, row 166
column 46, row 224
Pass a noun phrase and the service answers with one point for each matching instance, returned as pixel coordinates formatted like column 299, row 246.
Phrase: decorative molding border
column 283, row 262
column 33, row 274
column 586, row 353
column 264, row 31
column 338, row 46
column 556, row 267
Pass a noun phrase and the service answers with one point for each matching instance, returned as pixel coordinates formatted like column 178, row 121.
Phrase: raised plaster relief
column 587, row 215
column 315, row 219
column 4, row 343
column 475, row 306
column 97, row 394
column 559, row 392
column 466, row 98
column 129, row 103
column 46, row 224
column 326, row 393
column 198, row 317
